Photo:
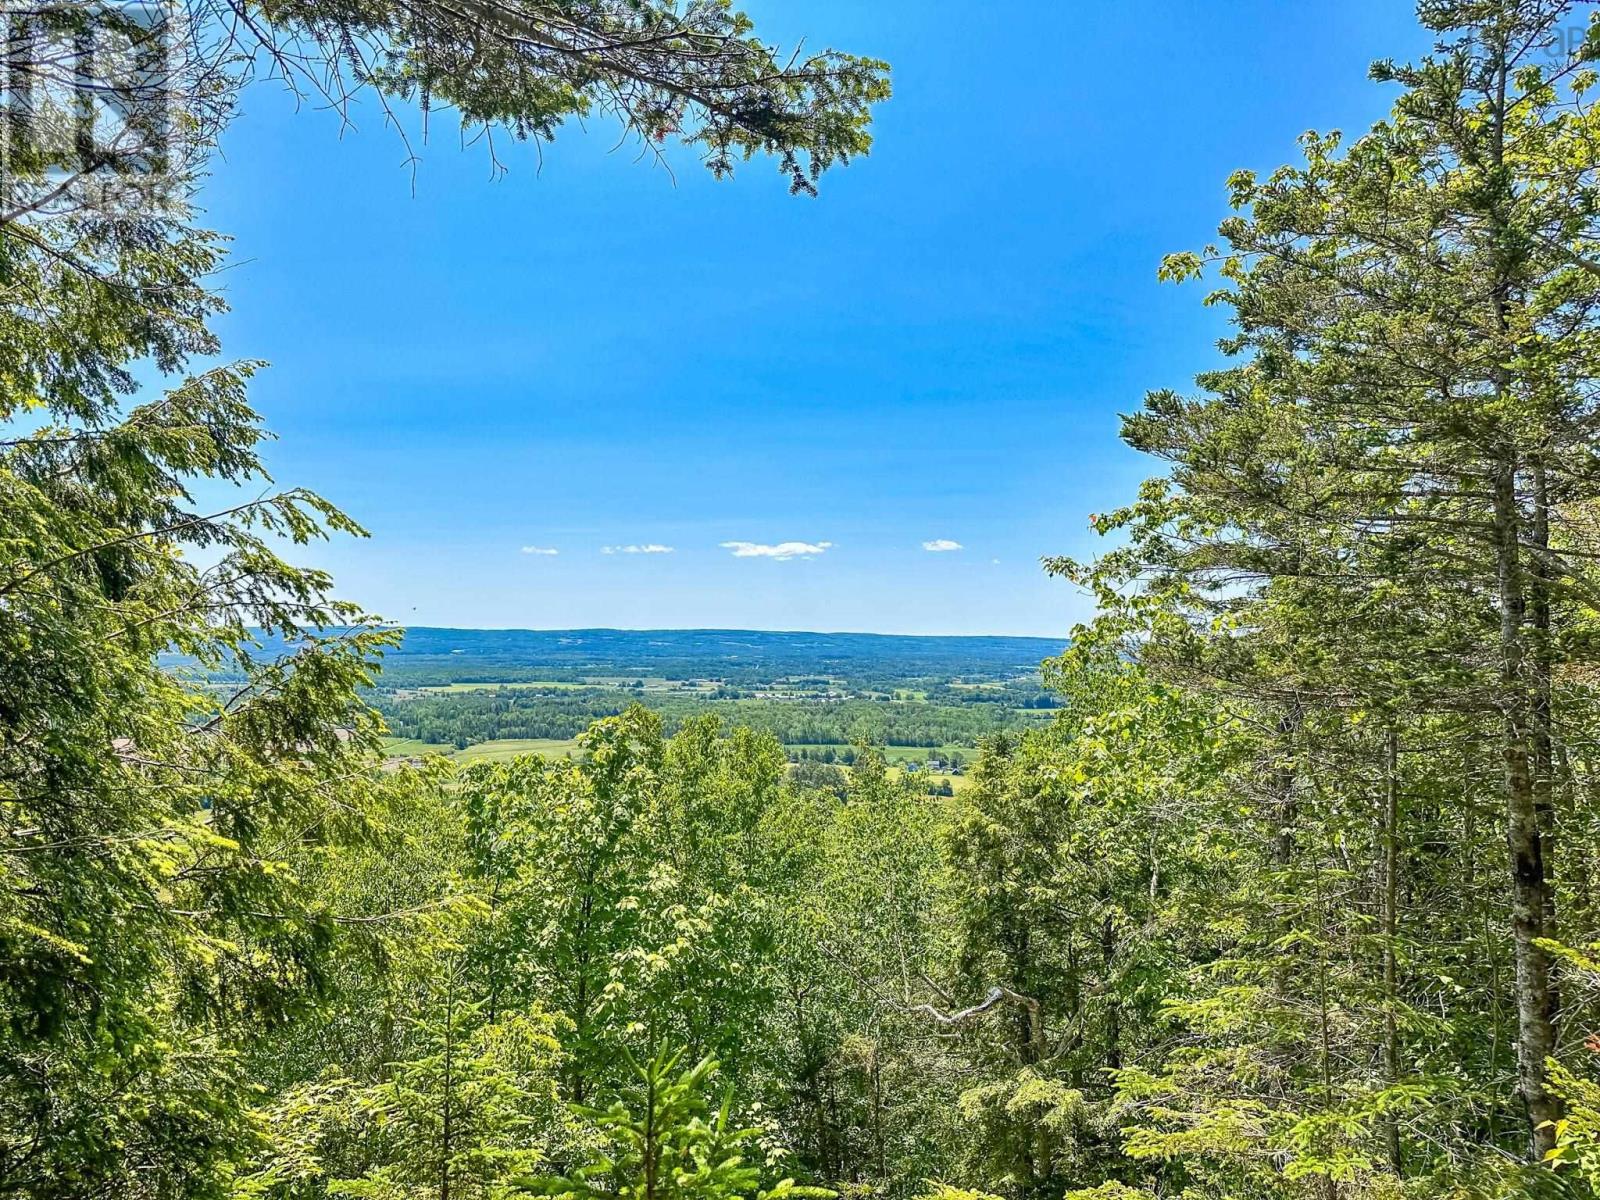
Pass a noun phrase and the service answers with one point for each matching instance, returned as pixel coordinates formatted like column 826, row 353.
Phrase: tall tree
column 1393, row 467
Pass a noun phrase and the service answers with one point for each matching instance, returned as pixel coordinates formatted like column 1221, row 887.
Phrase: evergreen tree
column 1369, row 541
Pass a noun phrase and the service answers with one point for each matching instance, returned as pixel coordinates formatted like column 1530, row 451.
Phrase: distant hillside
column 486, row 654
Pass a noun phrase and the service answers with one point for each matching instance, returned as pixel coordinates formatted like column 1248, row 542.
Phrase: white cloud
column 540, row 550
column 782, row 551
column 938, row 545
column 647, row 548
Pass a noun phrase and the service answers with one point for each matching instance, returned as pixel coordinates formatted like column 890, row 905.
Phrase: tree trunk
column 1391, row 930
column 1530, row 903
column 1535, row 991
column 874, row 1069
column 1108, row 956
column 447, row 1115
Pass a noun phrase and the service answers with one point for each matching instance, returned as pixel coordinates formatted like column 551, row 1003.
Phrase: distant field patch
column 504, row 749
column 956, row 782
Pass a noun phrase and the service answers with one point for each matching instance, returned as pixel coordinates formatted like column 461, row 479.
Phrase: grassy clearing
column 504, row 749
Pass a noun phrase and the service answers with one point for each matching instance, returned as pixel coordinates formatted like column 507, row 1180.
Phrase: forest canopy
column 1288, row 892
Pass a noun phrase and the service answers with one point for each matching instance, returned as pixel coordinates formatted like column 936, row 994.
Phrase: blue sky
column 593, row 352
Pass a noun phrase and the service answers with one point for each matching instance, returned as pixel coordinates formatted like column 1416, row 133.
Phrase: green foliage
column 665, row 1142
column 624, row 881
column 1083, row 860
column 1293, row 897
column 473, row 1111
column 1373, row 550
column 204, row 988
column 154, row 922
column 695, row 73
column 944, row 1191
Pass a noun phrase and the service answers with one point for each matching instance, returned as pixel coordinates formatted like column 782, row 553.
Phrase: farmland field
column 502, row 749
column 924, row 703
column 495, row 750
